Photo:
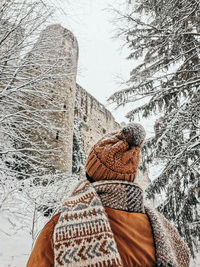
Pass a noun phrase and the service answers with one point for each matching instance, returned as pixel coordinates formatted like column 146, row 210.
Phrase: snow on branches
column 164, row 37
column 32, row 81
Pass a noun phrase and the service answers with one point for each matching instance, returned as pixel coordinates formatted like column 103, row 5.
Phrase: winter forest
column 39, row 116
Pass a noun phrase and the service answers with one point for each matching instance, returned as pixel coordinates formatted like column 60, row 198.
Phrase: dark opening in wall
column 85, row 118
column 104, row 131
column 57, row 135
column 51, row 94
column 64, row 108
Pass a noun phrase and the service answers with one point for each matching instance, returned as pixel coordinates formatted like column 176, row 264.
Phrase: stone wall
column 52, row 63
column 96, row 119
column 57, row 49
column 65, row 51
column 56, row 54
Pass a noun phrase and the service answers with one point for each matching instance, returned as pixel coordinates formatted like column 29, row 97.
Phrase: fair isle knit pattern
column 123, row 196
column 82, row 236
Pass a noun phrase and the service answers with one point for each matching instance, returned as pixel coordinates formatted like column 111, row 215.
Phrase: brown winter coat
column 141, row 235
column 132, row 233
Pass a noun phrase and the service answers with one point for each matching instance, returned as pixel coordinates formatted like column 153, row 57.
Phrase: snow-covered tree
column 32, row 78
column 20, row 22
column 78, row 157
column 164, row 40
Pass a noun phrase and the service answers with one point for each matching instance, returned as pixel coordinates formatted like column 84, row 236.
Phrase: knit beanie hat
column 116, row 155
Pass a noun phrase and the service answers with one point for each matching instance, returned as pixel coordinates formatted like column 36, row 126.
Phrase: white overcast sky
column 101, row 57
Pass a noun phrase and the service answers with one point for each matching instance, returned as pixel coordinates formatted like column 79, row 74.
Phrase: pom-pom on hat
column 116, row 155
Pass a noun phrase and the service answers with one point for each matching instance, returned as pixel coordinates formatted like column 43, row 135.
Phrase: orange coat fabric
column 132, row 232
column 133, row 235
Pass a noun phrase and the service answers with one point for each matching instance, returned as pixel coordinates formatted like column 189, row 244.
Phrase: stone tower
column 52, row 63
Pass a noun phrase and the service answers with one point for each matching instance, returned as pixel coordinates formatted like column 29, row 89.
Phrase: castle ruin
column 57, row 48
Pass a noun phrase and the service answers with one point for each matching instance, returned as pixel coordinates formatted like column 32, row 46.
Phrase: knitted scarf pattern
column 83, row 237
column 170, row 248
column 120, row 195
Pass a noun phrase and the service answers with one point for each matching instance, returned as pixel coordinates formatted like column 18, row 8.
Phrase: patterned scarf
column 83, row 236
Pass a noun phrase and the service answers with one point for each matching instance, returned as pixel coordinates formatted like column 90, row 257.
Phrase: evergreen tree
column 164, row 36
column 78, row 157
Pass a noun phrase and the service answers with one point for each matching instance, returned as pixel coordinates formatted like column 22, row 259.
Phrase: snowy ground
column 21, row 218
column 16, row 237
column 15, row 246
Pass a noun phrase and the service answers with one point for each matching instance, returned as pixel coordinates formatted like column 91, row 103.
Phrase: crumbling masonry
column 77, row 105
